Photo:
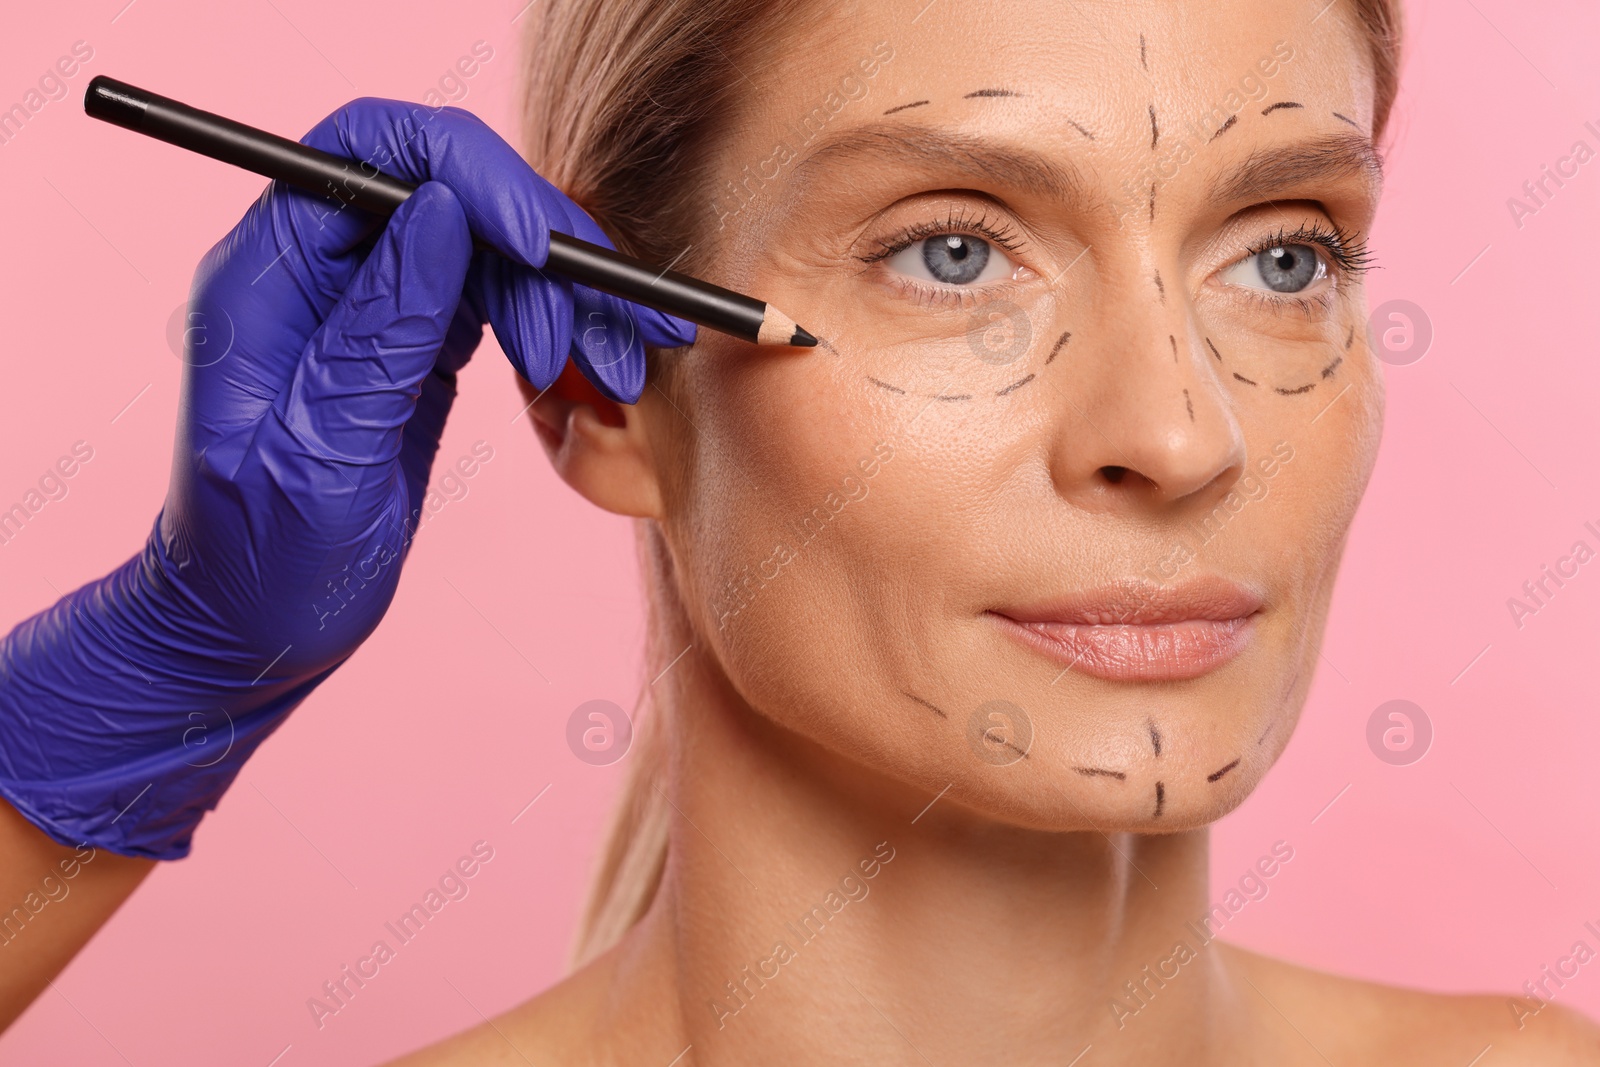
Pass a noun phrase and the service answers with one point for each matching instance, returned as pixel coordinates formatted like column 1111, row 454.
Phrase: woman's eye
column 952, row 259
column 1285, row 269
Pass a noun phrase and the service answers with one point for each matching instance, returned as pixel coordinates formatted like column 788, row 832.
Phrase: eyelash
column 1349, row 253
column 1002, row 235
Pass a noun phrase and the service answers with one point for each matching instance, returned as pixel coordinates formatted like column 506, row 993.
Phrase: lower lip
column 1146, row 652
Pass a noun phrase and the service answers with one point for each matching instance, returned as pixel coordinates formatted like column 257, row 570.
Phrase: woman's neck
column 811, row 907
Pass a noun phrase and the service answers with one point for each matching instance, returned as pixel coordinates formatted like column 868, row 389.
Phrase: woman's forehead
column 1102, row 107
column 1120, row 74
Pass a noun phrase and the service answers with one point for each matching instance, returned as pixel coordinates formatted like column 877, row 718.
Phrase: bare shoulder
column 552, row 1027
column 608, row 1012
column 1367, row 1022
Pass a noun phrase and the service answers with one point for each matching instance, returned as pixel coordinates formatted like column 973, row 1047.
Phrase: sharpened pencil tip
column 802, row 338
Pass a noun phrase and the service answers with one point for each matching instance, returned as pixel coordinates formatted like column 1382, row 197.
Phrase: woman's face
column 1094, row 351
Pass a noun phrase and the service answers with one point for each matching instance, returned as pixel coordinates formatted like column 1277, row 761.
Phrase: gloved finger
column 660, row 330
column 657, row 328
column 466, row 332
column 531, row 312
column 357, row 384
column 508, row 206
column 606, row 344
column 420, row 441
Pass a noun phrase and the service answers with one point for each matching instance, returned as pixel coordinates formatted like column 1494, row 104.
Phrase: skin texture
column 64, row 896
column 827, row 717
column 985, row 910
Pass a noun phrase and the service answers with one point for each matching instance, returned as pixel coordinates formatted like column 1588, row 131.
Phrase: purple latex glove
column 320, row 369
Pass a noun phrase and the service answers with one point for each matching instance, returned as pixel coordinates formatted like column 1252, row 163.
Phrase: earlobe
column 597, row 446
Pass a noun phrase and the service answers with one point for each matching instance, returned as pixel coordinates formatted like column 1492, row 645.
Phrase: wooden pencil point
column 779, row 329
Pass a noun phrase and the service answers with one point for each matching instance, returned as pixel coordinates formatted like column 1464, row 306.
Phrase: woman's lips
column 1140, row 631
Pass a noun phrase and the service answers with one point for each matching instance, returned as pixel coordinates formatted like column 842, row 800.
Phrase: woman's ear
column 598, row 446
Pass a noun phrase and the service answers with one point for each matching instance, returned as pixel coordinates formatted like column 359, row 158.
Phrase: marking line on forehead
column 982, row 157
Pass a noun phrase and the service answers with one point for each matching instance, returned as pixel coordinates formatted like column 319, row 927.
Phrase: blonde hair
column 618, row 102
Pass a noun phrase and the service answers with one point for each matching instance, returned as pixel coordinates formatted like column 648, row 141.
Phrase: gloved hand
column 322, row 353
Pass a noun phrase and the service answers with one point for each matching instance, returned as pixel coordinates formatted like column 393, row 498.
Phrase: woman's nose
column 1143, row 419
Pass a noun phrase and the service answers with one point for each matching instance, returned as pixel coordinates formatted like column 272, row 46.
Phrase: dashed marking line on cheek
column 1341, row 118
column 1021, row 754
column 1155, row 131
column 1225, row 127
column 1161, row 290
column 1281, row 391
column 1214, row 351
column 1080, row 129
column 1174, row 341
column 1349, row 338
column 1101, row 772
column 1161, row 799
column 1327, row 372
column 1142, row 63
column 1188, row 404
column 1217, row 774
column 989, row 92
column 1155, row 738
column 1242, row 378
column 1270, row 108
column 1060, row 343
column 1016, row 385
column 903, row 107
column 880, row 383
column 1152, row 201
column 933, row 707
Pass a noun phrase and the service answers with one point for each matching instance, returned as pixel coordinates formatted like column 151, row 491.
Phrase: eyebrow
column 1266, row 169
column 981, row 157
column 1327, row 158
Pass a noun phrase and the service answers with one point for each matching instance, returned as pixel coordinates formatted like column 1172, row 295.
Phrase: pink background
column 1465, row 871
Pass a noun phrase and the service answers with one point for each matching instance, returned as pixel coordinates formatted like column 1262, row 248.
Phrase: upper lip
column 1134, row 602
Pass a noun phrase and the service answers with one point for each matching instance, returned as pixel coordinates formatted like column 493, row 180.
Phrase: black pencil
column 316, row 171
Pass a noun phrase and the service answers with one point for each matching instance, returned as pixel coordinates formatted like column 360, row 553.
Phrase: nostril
column 1113, row 474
